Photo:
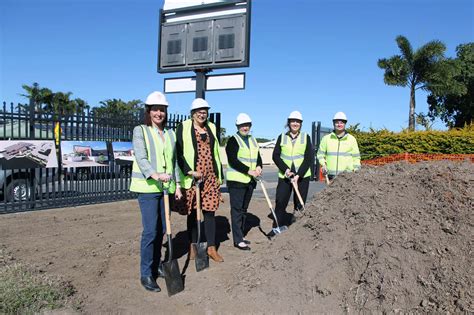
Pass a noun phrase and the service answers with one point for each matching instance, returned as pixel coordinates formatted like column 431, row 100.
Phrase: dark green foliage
column 54, row 103
column 261, row 140
column 383, row 142
column 452, row 92
column 117, row 107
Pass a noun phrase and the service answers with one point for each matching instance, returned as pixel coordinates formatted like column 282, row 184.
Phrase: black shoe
column 241, row 247
column 150, row 284
column 293, row 219
column 161, row 273
column 247, row 242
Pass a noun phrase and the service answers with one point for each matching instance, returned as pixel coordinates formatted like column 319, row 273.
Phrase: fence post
column 316, row 138
column 218, row 126
column 32, row 171
column 31, row 109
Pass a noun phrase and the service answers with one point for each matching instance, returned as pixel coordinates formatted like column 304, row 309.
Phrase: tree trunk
column 411, row 117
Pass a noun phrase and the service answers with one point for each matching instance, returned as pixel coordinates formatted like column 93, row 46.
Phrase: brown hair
column 147, row 119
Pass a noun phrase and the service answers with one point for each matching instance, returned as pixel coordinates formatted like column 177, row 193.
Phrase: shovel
column 278, row 229
column 297, row 192
column 173, row 279
column 328, row 182
column 201, row 260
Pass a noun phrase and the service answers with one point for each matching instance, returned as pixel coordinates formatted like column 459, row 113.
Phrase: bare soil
column 397, row 238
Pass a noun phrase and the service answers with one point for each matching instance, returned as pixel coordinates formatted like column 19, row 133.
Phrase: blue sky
column 318, row 57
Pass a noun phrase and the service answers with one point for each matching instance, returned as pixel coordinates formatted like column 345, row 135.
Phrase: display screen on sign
column 204, row 35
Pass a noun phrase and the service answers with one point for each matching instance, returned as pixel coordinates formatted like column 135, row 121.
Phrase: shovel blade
column 280, row 229
column 201, row 260
column 173, row 279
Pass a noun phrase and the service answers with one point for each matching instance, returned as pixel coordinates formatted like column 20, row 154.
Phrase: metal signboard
column 213, row 35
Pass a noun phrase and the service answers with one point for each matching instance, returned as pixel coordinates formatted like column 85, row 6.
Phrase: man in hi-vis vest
column 338, row 151
column 153, row 166
column 292, row 155
column 245, row 163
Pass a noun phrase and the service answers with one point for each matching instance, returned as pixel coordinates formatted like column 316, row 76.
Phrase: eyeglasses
column 201, row 113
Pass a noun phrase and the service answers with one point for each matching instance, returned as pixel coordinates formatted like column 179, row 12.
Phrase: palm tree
column 412, row 68
column 37, row 94
column 117, row 107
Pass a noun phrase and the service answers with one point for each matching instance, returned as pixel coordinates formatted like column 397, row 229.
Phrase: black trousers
column 239, row 203
column 283, row 193
column 208, row 227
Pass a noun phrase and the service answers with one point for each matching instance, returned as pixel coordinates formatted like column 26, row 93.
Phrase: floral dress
column 210, row 187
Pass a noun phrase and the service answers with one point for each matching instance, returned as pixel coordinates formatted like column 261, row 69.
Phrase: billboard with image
column 84, row 153
column 123, row 153
column 28, row 154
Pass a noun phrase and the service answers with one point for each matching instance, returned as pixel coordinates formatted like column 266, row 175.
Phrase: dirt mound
column 392, row 238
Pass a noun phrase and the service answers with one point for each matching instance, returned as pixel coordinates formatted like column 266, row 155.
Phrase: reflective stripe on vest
column 160, row 155
column 188, row 151
column 293, row 152
column 339, row 155
column 247, row 155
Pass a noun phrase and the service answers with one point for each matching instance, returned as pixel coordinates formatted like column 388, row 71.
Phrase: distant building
column 269, row 144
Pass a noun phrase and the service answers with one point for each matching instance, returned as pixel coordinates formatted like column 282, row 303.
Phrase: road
column 270, row 178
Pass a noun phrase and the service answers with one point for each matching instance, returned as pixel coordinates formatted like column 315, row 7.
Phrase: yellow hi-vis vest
column 161, row 156
column 247, row 155
column 339, row 155
column 293, row 152
column 188, row 152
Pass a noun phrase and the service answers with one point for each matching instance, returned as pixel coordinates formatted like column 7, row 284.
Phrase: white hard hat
column 156, row 98
column 340, row 116
column 295, row 115
column 199, row 103
column 243, row 118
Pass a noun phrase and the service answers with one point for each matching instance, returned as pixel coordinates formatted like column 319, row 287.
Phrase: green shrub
column 381, row 143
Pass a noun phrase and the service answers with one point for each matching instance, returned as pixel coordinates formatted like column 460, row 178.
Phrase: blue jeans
column 154, row 226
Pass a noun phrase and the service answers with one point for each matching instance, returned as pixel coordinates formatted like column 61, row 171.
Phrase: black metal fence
column 25, row 189
column 317, row 133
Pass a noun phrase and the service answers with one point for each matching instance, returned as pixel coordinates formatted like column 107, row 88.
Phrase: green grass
column 26, row 291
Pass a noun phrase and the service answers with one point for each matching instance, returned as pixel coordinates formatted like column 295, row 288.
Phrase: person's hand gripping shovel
column 325, row 173
column 173, row 279
column 278, row 229
column 294, row 182
column 202, row 259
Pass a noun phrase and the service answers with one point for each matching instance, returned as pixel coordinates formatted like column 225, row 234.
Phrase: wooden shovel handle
column 198, row 202
column 297, row 191
column 266, row 194
column 167, row 211
column 328, row 182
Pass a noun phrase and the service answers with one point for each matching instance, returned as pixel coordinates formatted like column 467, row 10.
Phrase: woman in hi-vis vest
column 292, row 155
column 152, row 172
column 245, row 164
column 197, row 151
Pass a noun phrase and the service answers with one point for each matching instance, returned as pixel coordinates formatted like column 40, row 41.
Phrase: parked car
column 98, row 172
column 17, row 184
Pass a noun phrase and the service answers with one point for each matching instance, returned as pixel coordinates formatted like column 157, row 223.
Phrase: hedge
column 383, row 142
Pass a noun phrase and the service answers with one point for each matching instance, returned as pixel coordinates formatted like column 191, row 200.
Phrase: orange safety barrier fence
column 418, row 157
column 413, row 158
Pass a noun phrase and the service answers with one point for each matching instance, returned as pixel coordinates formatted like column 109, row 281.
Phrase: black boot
column 161, row 273
column 150, row 284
